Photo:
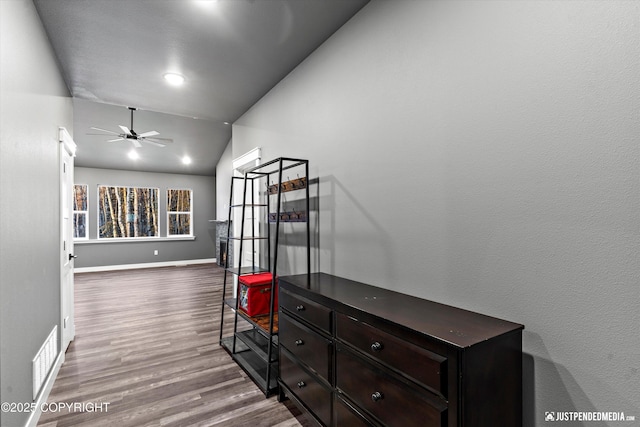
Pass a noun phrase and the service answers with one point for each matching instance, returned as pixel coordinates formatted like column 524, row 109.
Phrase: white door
column 67, row 152
column 252, row 215
column 251, row 253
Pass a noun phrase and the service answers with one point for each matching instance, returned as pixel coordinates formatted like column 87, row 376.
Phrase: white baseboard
column 32, row 421
column 144, row 265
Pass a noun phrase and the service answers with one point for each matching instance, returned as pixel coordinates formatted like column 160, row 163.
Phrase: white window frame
column 190, row 213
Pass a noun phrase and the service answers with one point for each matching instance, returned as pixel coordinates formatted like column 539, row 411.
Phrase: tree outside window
column 179, row 212
column 127, row 212
column 80, row 212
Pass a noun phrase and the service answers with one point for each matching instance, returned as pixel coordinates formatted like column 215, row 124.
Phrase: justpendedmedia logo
column 551, row 416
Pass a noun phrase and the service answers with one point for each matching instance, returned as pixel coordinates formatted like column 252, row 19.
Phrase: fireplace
column 222, row 259
column 222, row 251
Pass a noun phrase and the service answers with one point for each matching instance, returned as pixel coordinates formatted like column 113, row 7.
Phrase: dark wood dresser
column 352, row 354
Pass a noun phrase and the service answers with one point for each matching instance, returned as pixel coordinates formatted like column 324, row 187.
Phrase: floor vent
column 42, row 363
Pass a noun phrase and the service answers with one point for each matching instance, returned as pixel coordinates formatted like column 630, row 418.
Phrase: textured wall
column 34, row 102
column 485, row 155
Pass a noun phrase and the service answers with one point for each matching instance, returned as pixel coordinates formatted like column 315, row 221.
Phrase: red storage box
column 255, row 294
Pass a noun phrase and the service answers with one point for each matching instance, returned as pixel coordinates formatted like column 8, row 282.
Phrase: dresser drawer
column 306, row 345
column 314, row 313
column 345, row 415
column 384, row 396
column 421, row 365
column 306, row 387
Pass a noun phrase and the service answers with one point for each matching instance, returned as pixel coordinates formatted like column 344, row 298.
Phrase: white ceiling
column 113, row 54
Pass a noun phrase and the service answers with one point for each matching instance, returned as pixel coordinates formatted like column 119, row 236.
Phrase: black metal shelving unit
column 254, row 341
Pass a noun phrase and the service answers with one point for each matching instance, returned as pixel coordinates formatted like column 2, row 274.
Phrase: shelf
column 253, row 269
column 253, row 365
column 291, row 185
column 254, row 337
column 292, row 216
column 249, row 238
column 250, row 205
column 260, row 322
column 263, row 169
column 259, row 343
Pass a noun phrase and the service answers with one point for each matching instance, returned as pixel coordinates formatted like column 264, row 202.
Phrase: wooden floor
column 147, row 344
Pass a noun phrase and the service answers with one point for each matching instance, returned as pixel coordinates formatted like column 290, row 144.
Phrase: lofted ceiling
column 113, row 54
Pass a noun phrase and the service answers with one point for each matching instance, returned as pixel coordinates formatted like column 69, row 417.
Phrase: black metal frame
column 265, row 170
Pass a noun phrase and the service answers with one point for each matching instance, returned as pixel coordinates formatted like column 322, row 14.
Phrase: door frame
column 67, row 317
column 240, row 164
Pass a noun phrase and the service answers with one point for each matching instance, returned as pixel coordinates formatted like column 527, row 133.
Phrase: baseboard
column 144, row 265
column 32, row 421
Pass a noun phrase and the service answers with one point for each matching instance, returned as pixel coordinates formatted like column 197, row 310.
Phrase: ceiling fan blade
column 104, row 130
column 125, row 129
column 115, row 140
column 157, row 144
column 150, row 133
column 161, row 140
column 136, row 143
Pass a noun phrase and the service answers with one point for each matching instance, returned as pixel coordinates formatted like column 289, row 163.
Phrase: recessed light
column 226, row 123
column 186, row 160
column 133, row 155
column 206, row 3
column 174, row 78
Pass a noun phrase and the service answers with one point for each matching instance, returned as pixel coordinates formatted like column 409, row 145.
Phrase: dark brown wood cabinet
column 352, row 354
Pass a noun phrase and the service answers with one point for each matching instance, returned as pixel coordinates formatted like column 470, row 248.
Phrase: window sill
column 134, row 240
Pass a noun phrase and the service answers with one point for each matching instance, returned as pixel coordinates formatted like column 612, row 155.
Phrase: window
column 80, row 212
column 179, row 213
column 127, row 212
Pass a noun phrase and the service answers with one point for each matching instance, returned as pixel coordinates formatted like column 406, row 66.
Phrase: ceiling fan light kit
column 135, row 138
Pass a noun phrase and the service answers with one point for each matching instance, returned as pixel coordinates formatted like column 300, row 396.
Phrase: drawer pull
column 300, row 307
column 299, row 342
column 301, row 384
column 377, row 396
column 376, row 347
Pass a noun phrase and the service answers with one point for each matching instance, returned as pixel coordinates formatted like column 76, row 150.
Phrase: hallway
column 147, row 345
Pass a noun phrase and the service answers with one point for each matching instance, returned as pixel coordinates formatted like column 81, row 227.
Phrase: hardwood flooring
column 147, row 344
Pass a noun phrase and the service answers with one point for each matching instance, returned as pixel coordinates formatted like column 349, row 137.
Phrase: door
column 252, row 215
column 67, row 152
column 250, row 253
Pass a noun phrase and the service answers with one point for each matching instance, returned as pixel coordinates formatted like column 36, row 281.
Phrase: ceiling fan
column 136, row 138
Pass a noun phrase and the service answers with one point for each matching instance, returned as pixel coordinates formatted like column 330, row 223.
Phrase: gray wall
column 484, row 155
column 34, row 101
column 223, row 183
column 94, row 254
